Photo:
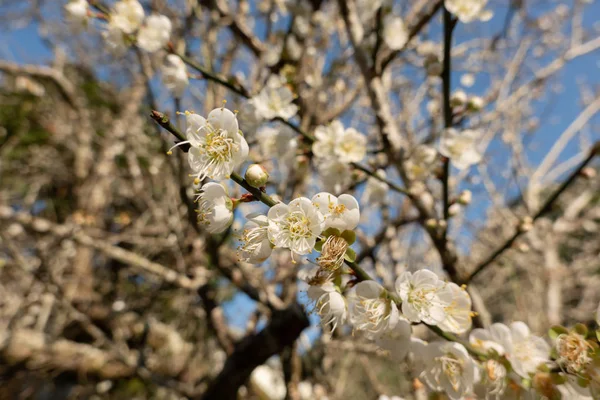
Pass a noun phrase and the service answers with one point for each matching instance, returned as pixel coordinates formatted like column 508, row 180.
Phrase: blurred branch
column 545, row 208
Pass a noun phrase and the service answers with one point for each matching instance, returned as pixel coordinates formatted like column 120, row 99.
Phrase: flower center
column 298, row 226
column 452, row 367
column 373, row 312
column 253, row 238
column 336, row 209
column 573, row 351
column 332, row 256
column 219, row 147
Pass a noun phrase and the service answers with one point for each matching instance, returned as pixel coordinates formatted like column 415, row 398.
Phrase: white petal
column 222, row 118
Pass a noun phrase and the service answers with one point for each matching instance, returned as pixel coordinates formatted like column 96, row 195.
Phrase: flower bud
column 458, row 98
column 256, row 176
column 465, row 198
column 588, row 173
column 454, row 209
column 526, row 224
column 475, row 103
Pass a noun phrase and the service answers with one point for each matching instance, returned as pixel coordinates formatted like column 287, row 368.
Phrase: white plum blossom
column 217, row 147
column 76, row 13
column 280, row 143
column 174, row 75
column 340, row 212
column 155, row 33
column 335, row 174
column 371, row 310
column 275, row 100
column 491, row 338
column 492, row 380
column 425, row 297
column 396, row 341
column 395, row 34
column 127, row 16
column 376, row 190
column 330, row 304
column 468, row 10
column 449, row 369
column 346, row 145
column 256, row 246
column 421, row 162
column 524, row 351
column 114, row 40
column 215, row 208
column 295, row 226
column 461, row 147
column 458, row 312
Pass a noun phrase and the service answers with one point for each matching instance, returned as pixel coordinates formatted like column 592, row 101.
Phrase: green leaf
column 598, row 335
column 350, row 255
column 556, row 331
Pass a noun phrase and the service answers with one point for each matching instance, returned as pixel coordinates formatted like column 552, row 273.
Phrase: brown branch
column 545, row 208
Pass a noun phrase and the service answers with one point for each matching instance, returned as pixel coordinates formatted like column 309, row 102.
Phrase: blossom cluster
column 485, row 363
column 127, row 25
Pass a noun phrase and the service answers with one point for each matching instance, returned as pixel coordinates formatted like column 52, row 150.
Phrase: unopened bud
column 454, row 209
column 256, row 175
column 465, row 198
column 526, row 224
column 475, row 103
column 458, row 98
column 588, row 173
column 431, row 223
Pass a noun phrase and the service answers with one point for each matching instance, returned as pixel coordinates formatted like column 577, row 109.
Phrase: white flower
column 335, row 175
column 524, row 350
column 371, row 311
column 174, row 75
column 295, row 226
column 375, row 190
column 77, row 13
column 347, row 145
column 279, row 143
column 256, row 246
column 421, row 162
column 490, row 339
column 155, row 33
column 458, row 312
column 424, row 296
column 340, row 212
column 127, row 16
column 397, row 340
column 115, row 40
column 217, row 147
column 331, row 306
column 249, row 118
column 215, row 208
column 492, row 380
column 468, row 10
column 598, row 315
column 384, row 397
column 275, row 100
column 461, row 147
column 395, row 33
column 449, row 369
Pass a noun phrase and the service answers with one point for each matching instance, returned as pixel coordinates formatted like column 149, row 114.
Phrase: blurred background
column 109, row 288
